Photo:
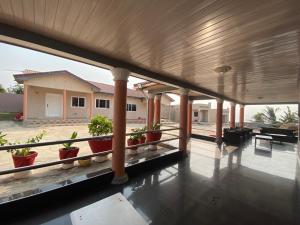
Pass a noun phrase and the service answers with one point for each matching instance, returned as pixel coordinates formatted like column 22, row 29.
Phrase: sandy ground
column 17, row 132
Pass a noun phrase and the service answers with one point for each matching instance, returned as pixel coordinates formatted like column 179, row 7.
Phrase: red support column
column 183, row 120
column 150, row 111
column 232, row 115
column 25, row 102
column 119, row 125
column 219, row 121
column 190, row 118
column 242, row 111
column 157, row 105
column 64, row 104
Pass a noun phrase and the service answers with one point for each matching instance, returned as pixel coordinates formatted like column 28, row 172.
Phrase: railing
column 32, row 145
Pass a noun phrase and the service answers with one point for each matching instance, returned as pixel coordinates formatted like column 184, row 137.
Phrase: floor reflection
column 213, row 185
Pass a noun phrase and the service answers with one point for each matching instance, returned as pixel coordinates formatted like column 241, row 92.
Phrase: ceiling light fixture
column 222, row 69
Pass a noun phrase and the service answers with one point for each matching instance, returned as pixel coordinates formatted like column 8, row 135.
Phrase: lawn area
column 7, row 116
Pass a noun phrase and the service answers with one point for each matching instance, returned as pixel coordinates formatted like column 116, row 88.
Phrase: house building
column 201, row 113
column 63, row 97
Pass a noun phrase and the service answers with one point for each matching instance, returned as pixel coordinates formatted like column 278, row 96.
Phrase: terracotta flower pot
column 100, row 145
column 153, row 136
column 142, row 140
column 20, row 161
column 132, row 142
column 68, row 153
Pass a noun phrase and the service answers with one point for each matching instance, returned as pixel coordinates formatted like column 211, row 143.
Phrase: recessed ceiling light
column 222, row 69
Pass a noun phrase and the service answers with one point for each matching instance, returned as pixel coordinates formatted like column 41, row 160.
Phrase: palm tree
column 270, row 114
column 289, row 116
column 2, row 89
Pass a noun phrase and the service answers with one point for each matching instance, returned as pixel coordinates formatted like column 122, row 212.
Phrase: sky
column 16, row 59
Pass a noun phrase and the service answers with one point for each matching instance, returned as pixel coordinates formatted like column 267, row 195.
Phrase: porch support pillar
column 183, row 120
column 232, row 115
column 298, row 122
column 189, row 119
column 157, row 106
column 25, row 102
column 120, row 77
column 219, row 121
column 242, row 111
column 150, row 111
column 64, row 105
column 91, row 111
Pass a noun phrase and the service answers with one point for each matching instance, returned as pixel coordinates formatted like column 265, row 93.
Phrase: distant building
column 65, row 97
column 202, row 113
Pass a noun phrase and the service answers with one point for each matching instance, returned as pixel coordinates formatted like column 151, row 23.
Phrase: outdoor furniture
column 265, row 138
column 281, row 135
column 236, row 136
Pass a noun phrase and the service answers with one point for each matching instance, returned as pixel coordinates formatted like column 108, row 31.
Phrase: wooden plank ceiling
column 184, row 39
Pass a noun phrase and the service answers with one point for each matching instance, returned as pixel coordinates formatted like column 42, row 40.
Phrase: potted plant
column 24, row 156
column 68, row 151
column 154, row 135
column 84, row 162
column 3, row 141
column 133, row 140
column 100, row 125
column 142, row 136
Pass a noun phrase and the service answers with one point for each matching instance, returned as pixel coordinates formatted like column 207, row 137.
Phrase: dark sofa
column 236, row 136
column 281, row 135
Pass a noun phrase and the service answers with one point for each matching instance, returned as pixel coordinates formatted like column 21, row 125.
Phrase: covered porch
column 241, row 52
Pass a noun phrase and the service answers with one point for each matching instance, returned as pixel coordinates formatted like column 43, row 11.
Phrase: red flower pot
column 142, row 140
column 100, row 145
column 68, row 153
column 20, row 161
column 153, row 136
column 132, row 142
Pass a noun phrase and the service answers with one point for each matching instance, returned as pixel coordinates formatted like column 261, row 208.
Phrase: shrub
column 100, row 125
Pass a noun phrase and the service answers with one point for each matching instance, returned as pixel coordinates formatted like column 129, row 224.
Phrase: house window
column 78, row 102
column 195, row 114
column 131, row 107
column 101, row 103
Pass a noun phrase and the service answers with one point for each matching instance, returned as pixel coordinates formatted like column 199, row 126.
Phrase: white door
column 53, row 105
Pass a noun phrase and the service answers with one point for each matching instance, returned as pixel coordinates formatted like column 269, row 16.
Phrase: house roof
column 97, row 87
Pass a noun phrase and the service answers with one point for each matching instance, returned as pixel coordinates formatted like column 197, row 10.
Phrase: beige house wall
column 37, row 101
column 141, row 107
column 62, row 82
column 39, row 87
column 211, row 115
column 78, row 112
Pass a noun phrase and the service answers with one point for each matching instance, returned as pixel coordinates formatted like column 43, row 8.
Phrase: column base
column 120, row 180
column 219, row 140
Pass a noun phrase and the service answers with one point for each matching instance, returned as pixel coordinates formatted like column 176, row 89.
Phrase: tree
column 289, row 116
column 16, row 89
column 2, row 89
column 270, row 114
column 259, row 117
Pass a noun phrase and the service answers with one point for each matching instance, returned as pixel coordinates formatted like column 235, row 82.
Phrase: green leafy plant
column 3, row 141
column 68, row 145
column 156, row 126
column 100, row 125
column 26, row 151
column 138, row 133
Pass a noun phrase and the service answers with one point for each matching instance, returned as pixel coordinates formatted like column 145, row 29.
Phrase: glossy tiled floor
column 211, row 186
